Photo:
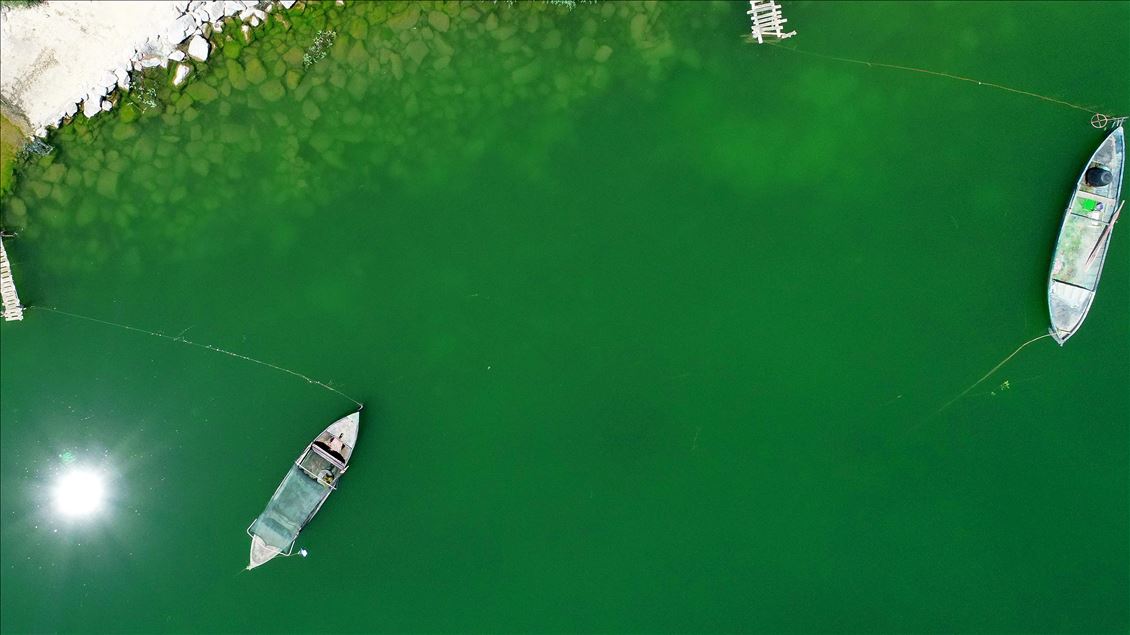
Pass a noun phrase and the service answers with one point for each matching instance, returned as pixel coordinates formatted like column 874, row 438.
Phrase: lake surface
column 651, row 326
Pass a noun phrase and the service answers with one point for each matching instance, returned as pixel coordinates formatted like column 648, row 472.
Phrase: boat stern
column 261, row 552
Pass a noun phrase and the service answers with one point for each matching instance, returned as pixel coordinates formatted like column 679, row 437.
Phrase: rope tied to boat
column 209, row 347
column 1102, row 121
column 1098, row 120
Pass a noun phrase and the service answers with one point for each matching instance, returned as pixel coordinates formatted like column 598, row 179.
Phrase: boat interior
column 321, row 464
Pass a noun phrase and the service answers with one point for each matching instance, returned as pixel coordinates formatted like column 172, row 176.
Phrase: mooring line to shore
column 1105, row 119
column 207, row 347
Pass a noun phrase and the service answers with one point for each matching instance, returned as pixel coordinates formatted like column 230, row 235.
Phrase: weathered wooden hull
column 303, row 490
column 1084, row 238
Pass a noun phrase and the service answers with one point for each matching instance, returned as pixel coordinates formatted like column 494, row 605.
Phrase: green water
column 649, row 339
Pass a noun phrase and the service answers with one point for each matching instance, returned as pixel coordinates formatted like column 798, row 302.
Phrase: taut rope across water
column 207, row 347
column 1099, row 120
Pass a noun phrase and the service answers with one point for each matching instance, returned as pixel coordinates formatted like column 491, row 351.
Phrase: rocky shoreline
column 55, row 68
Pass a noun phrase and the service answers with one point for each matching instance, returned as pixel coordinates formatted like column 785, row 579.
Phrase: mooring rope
column 208, row 347
column 1098, row 120
column 988, row 374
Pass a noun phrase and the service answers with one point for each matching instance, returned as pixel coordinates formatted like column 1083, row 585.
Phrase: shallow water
column 652, row 343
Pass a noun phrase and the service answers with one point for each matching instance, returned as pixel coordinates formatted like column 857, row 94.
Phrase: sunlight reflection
column 79, row 492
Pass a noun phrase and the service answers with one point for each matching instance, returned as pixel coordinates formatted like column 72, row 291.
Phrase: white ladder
column 13, row 310
column 766, row 21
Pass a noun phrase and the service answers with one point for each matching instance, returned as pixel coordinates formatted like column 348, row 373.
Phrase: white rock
column 107, row 105
column 255, row 21
column 177, row 55
column 231, row 8
column 287, row 4
column 70, row 110
column 91, row 107
column 215, row 10
column 200, row 14
column 245, row 15
column 198, row 48
column 259, row 13
column 250, row 4
column 246, row 31
column 181, row 5
column 181, row 74
column 181, row 29
column 151, row 62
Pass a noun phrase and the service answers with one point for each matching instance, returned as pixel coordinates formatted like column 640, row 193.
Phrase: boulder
column 439, row 21
column 198, row 48
column 287, row 4
column 107, row 105
column 91, row 106
column 177, row 56
column 255, row 71
column 272, row 90
column 181, row 28
column 404, row 20
column 215, row 10
column 181, row 74
column 202, row 92
column 416, row 50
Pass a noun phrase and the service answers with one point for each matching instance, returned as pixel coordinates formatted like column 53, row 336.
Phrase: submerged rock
column 202, row 92
column 272, row 90
column 311, row 110
column 235, row 74
column 416, row 50
column 405, row 19
column 255, row 71
column 181, row 74
column 439, row 21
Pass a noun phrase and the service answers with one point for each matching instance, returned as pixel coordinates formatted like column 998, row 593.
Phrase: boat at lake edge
column 303, row 491
column 1084, row 237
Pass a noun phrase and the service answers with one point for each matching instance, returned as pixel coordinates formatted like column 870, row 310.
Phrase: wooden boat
column 1085, row 236
column 307, row 485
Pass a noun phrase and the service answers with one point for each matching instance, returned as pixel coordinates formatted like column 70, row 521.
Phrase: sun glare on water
column 79, row 492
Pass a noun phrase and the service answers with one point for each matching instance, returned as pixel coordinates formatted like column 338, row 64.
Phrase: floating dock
column 13, row 310
column 766, row 21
